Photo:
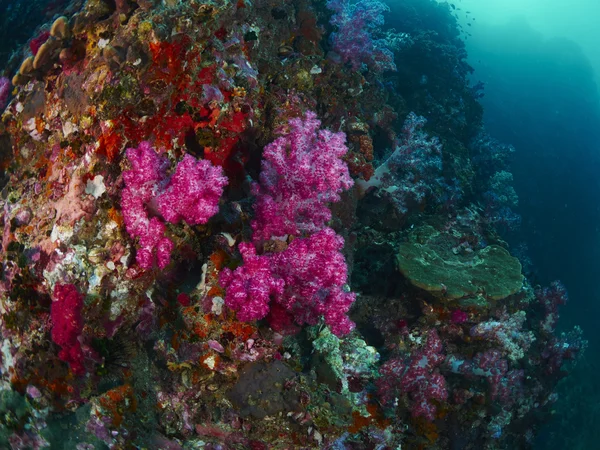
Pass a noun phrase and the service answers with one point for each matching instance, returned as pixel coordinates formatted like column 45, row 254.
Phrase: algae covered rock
column 261, row 390
column 436, row 262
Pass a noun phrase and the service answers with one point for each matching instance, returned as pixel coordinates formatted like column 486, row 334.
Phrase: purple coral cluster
column 191, row 194
column 417, row 375
column 354, row 41
column 556, row 349
column 506, row 387
column 302, row 172
column 5, row 86
column 413, row 172
column 566, row 347
column 508, row 332
column 551, row 298
column 488, row 364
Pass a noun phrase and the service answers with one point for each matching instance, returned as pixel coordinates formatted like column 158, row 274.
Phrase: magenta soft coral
column 315, row 273
column 191, row 194
column 251, row 286
column 67, row 325
column 306, row 281
column 141, row 186
column 302, row 172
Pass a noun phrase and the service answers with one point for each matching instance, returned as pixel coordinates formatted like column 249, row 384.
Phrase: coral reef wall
column 262, row 225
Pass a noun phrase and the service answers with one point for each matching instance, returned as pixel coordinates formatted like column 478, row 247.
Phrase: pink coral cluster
column 191, row 194
column 302, row 172
column 306, row 281
column 458, row 316
column 418, row 376
column 67, row 325
column 251, row 286
column 315, row 273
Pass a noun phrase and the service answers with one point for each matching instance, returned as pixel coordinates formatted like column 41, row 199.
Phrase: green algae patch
column 432, row 263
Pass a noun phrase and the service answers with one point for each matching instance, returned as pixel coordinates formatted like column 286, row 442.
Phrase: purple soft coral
column 488, row 364
column 551, row 298
column 192, row 194
column 301, row 173
column 4, row 92
column 418, row 376
column 306, row 280
column 353, row 40
column 413, row 172
column 508, row 332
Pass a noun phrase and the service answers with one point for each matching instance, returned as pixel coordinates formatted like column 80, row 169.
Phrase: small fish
column 285, row 51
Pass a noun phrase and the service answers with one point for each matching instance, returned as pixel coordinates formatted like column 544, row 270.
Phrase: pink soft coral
column 251, row 286
column 307, row 280
column 141, row 186
column 315, row 275
column 191, row 194
column 302, row 172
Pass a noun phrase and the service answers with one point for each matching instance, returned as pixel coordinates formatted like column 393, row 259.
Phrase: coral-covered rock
column 261, row 390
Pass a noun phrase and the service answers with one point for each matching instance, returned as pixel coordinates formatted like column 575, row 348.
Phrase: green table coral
column 432, row 261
